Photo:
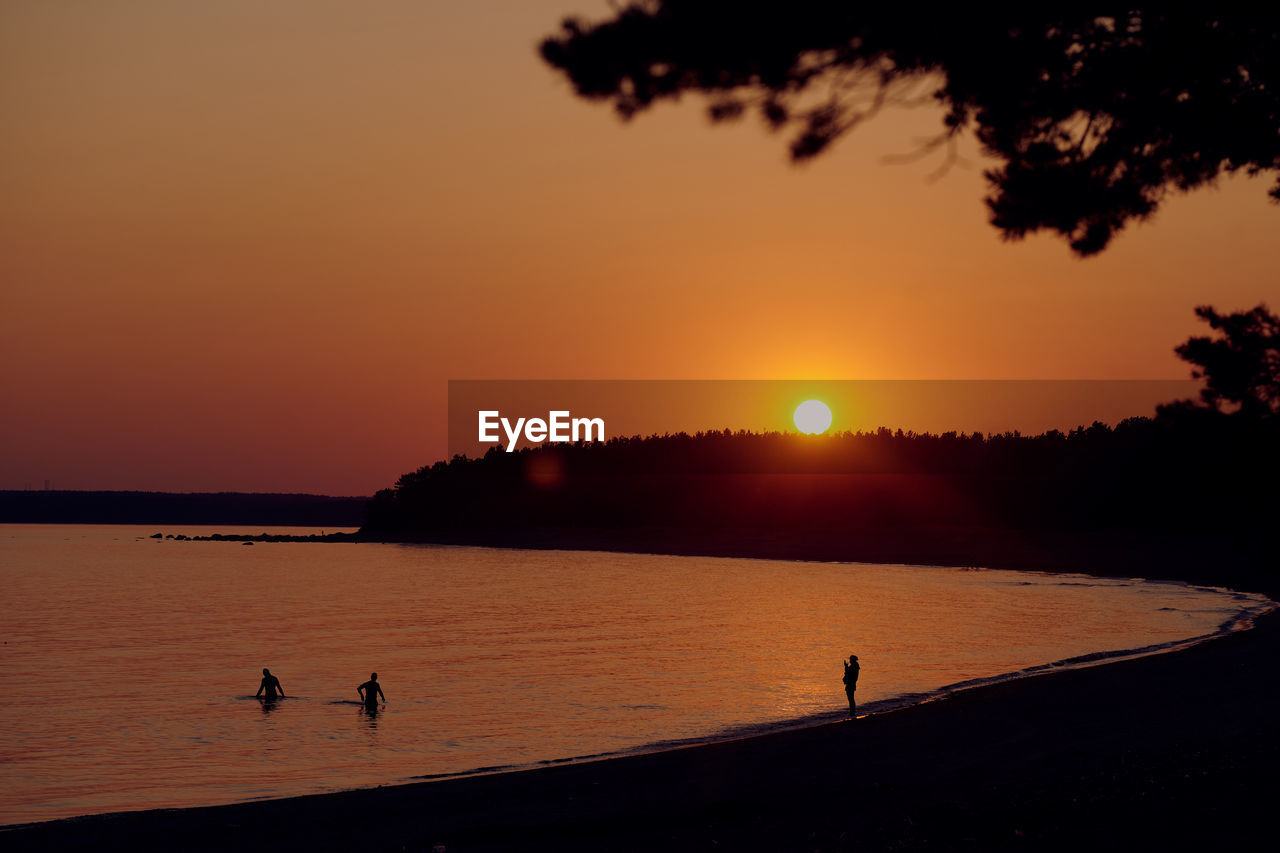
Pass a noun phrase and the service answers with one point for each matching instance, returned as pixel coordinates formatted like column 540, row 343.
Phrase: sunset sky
column 245, row 245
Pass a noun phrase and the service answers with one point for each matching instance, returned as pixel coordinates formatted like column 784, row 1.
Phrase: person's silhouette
column 851, row 683
column 370, row 691
column 271, row 685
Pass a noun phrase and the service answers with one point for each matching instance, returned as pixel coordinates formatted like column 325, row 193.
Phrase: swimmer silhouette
column 271, row 685
column 370, row 691
column 851, row 684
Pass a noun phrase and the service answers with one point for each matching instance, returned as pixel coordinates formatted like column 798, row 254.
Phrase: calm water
column 129, row 664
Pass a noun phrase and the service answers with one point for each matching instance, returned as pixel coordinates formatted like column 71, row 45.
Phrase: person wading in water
column 370, row 691
column 271, row 685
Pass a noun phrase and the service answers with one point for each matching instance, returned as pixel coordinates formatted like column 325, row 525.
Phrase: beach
column 1172, row 751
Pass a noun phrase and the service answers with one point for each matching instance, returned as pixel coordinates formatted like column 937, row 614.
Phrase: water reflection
column 494, row 657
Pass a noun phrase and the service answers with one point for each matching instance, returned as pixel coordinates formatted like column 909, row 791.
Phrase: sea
column 129, row 663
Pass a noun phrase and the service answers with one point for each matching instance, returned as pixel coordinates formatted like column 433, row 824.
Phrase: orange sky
column 244, row 246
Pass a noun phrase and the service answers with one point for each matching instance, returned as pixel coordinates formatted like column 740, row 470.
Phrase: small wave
column 478, row 771
column 551, row 762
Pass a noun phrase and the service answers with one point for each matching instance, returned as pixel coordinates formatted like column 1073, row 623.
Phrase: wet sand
column 1170, row 752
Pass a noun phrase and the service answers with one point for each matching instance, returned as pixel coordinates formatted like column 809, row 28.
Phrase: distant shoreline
column 173, row 508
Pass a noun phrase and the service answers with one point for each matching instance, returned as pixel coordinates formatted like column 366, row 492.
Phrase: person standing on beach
column 271, row 685
column 370, row 691
column 851, row 684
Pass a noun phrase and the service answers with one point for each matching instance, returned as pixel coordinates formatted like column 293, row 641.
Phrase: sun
column 813, row 417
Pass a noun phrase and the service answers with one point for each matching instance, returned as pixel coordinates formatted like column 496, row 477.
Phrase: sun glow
column 813, row 417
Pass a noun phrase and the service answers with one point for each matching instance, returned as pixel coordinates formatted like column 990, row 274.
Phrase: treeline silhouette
column 108, row 507
column 1185, row 470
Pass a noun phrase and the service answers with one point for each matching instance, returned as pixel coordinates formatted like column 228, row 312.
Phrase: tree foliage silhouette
column 1241, row 367
column 1097, row 113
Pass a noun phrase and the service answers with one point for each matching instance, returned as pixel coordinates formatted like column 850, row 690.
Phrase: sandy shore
column 1175, row 751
